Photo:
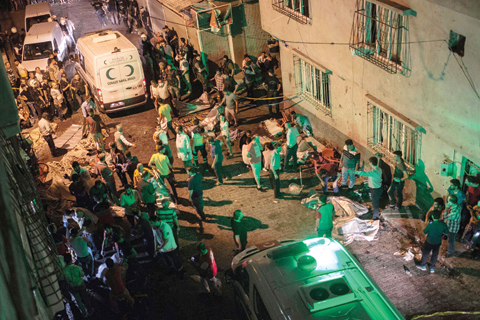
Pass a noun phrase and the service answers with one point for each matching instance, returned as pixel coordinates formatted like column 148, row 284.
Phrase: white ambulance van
column 111, row 67
column 40, row 41
column 315, row 279
column 36, row 13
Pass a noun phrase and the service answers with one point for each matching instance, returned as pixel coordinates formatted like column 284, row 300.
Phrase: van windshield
column 34, row 20
column 36, row 51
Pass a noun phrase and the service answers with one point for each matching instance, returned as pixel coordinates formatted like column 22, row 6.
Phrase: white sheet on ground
column 273, row 128
column 346, row 225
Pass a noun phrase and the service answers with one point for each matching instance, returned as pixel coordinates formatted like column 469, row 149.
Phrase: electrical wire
column 344, row 43
column 466, row 76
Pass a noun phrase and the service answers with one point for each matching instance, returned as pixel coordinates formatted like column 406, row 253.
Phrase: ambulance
column 310, row 279
column 111, row 67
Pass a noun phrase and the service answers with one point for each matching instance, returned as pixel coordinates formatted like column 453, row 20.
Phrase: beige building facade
column 382, row 73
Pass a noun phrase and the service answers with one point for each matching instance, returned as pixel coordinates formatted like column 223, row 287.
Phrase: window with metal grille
column 313, row 85
column 379, row 34
column 298, row 10
column 387, row 134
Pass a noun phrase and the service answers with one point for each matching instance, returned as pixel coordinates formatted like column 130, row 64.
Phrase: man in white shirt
column 374, row 182
column 164, row 94
column 184, row 148
column 57, row 97
column 185, row 72
column 165, row 243
column 22, row 71
column 292, row 146
column 46, row 131
column 275, row 171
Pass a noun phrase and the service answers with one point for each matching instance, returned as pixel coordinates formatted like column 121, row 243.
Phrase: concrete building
column 381, row 72
column 30, row 266
column 192, row 20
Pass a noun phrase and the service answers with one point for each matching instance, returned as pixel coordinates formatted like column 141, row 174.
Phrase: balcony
column 297, row 10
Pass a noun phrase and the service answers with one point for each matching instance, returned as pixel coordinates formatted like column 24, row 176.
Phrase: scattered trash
column 275, row 201
column 408, row 253
column 407, row 271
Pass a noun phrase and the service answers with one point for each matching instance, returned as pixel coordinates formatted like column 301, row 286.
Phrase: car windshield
column 34, row 20
column 35, row 51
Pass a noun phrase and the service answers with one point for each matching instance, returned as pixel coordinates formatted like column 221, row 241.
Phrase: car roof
column 37, row 9
column 40, row 32
column 295, row 288
column 92, row 42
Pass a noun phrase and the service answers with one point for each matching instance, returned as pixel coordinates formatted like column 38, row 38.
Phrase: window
column 387, row 133
column 313, row 85
column 298, row 10
column 378, row 32
column 259, row 306
column 35, row 51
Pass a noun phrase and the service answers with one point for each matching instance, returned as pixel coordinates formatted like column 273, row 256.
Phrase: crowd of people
column 96, row 240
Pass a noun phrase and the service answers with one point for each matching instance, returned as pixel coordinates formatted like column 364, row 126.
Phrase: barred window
column 298, row 10
column 387, row 133
column 378, row 33
column 313, row 85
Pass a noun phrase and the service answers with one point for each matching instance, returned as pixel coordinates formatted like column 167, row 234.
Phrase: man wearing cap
column 172, row 37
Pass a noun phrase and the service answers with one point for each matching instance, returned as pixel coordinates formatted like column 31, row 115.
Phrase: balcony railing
column 292, row 12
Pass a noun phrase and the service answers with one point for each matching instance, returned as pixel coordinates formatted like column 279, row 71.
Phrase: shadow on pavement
column 224, row 223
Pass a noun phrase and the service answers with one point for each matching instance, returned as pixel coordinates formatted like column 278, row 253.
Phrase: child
column 434, row 231
column 472, row 226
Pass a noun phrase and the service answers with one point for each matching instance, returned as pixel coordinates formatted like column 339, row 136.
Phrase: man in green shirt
column 148, row 192
column 325, row 214
column 434, row 231
column 374, row 182
column 130, row 200
column 239, row 231
column 73, row 276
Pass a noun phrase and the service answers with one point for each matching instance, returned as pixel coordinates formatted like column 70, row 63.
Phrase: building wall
column 247, row 34
column 161, row 16
column 436, row 94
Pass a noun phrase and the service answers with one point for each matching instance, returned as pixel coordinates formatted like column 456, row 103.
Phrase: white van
column 300, row 280
column 111, row 67
column 40, row 42
column 36, row 13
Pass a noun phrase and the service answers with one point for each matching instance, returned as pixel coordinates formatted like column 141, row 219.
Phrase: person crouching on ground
column 204, row 263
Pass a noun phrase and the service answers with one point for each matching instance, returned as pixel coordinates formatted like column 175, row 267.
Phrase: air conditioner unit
column 327, row 294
